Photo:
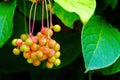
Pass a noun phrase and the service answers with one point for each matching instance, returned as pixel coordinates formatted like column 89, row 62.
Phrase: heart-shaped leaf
column 100, row 44
column 84, row 8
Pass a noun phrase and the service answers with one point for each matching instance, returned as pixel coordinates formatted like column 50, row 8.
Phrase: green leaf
column 84, row 9
column 100, row 44
column 6, row 20
column 66, row 17
column 115, row 68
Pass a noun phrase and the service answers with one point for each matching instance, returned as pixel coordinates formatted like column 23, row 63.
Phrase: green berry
column 16, row 51
column 29, row 41
column 57, row 28
column 14, row 42
column 29, row 60
column 57, row 54
column 57, row 62
column 57, row 47
column 52, row 59
column 24, row 37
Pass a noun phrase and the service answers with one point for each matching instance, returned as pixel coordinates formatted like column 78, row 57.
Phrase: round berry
column 57, row 62
column 14, row 42
column 52, row 59
column 29, row 60
column 46, row 50
column 51, row 53
column 51, row 43
column 57, row 28
column 43, row 41
column 29, row 41
column 26, row 55
column 16, row 51
column 34, row 47
column 33, row 55
column 26, row 48
column 39, row 54
column 44, row 30
column 24, row 37
column 36, row 62
column 49, row 65
column 57, row 47
column 43, row 58
column 19, row 42
column 49, row 32
column 57, row 54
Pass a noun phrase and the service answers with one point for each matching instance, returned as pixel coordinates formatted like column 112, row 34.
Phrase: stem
column 42, row 14
column 30, row 33
column 47, row 17
column 90, row 75
column 25, row 16
column 50, row 13
column 34, row 18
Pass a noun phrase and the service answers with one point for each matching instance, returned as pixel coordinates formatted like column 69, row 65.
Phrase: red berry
column 35, row 39
column 51, row 43
column 26, row 54
column 46, row 50
column 19, row 42
column 57, row 28
column 36, row 62
column 34, row 47
column 16, row 51
column 43, row 41
column 51, row 53
column 44, row 30
column 33, row 55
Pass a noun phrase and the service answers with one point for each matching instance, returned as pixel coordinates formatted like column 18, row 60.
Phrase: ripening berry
column 45, row 50
column 52, row 59
column 25, row 48
column 24, row 37
column 33, row 55
column 51, row 43
column 36, row 62
column 49, row 32
column 49, row 65
column 29, row 41
column 16, row 51
column 14, row 42
column 57, row 54
column 35, row 39
column 43, row 58
column 43, row 41
column 44, row 30
column 57, row 47
column 57, row 28
column 34, row 47
column 19, row 42
column 26, row 54
column 39, row 54
column 51, row 53
column 57, row 62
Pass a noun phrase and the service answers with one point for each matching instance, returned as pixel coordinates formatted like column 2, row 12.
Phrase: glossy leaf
column 68, row 18
column 100, row 44
column 84, row 8
column 6, row 18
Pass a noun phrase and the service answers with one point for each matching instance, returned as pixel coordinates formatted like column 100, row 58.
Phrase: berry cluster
column 39, row 48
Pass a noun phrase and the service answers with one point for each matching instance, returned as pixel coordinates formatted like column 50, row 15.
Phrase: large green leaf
column 100, row 44
column 84, row 8
column 6, row 20
column 68, row 18
column 115, row 68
